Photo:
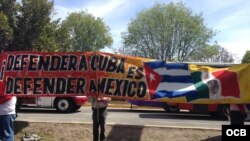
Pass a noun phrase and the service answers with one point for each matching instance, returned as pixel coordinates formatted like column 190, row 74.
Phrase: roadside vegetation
column 83, row 132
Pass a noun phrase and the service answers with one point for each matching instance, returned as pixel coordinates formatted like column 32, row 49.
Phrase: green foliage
column 246, row 57
column 9, row 8
column 5, row 32
column 62, row 38
column 224, row 56
column 205, row 54
column 212, row 53
column 33, row 28
column 166, row 32
column 8, row 11
column 86, row 33
column 32, row 25
column 47, row 39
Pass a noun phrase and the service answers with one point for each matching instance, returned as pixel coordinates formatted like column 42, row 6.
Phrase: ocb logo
column 236, row 132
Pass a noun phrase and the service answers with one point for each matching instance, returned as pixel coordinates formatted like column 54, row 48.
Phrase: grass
column 83, row 132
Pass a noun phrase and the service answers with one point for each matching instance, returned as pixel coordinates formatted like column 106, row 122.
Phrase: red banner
column 71, row 73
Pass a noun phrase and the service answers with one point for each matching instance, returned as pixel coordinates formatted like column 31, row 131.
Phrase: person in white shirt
column 7, row 117
column 99, row 108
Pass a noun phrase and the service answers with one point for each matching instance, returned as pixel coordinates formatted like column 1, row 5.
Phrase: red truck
column 62, row 104
column 215, row 110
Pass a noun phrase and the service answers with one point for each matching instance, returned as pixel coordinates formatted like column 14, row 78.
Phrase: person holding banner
column 99, row 108
column 237, row 114
column 7, row 117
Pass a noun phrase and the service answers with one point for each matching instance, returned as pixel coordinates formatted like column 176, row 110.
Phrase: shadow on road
column 128, row 132
column 159, row 114
column 136, row 111
column 179, row 116
column 215, row 138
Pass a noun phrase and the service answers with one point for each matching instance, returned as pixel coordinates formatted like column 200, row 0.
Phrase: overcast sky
column 229, row 17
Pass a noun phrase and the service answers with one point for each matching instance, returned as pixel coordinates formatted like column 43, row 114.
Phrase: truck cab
column 62, row 104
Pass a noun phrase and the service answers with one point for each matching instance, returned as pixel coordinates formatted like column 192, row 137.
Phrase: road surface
column 138, row 116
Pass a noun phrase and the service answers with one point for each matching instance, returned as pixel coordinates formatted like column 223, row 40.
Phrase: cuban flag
column 169, row 80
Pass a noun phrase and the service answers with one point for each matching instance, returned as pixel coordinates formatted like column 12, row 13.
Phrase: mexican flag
column 213, row 83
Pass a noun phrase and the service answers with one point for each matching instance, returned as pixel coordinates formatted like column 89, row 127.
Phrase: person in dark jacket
column 237, row 114
column 99, row 108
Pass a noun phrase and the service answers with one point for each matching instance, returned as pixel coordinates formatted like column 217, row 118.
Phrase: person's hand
column 103, row 99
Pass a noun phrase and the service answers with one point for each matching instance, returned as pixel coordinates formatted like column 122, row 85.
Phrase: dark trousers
column 7, row 127
column 237, row 118
column 98, row 121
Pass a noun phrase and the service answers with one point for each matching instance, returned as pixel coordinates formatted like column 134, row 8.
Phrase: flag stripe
column 178, row 79
column 201, row 87
column 163, row 64
column 173, row 94
column 177, row 66
column 155, row 64
column 175, row 86
column 229, row 83
column 173, row 72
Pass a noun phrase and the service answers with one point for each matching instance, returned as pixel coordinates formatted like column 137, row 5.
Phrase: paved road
column 151, row 117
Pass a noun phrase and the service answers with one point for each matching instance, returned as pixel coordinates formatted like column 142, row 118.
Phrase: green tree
column 166, row 32
column 5, row 32
column 212, row 53
column 205, row 54
column 9, row 8
column 86, row 33
column 62, row 37
column 47, row 40
column 33, row 23
column 246, row 57
column 223, row 56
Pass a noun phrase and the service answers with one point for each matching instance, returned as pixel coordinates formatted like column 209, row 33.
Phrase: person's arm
column 4, row 98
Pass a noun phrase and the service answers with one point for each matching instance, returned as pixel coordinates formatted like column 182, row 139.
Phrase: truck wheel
column 171, row 108
column 64, row 105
